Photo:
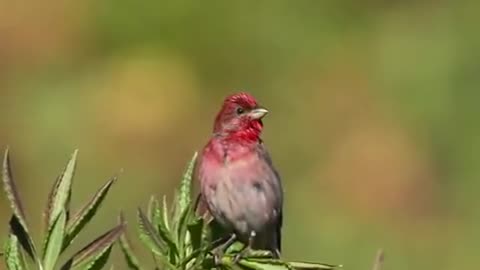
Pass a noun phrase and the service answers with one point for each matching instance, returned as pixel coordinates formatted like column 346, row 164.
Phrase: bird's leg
column 220, row 250
column 246, row 248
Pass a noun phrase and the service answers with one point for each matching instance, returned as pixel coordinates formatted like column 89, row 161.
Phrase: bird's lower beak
column 258, row 113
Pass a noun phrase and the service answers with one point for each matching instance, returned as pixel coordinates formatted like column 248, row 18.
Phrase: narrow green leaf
column 182, row 204
column 183, row 239
column 167, row 238
column 49, row 206
column 157, row 219
column 60, row 193
column 24, row 261
column 98, row 262
column 152, row 213
column 24, row 238
column 250, row 263
column 97, row 247
column 195, row 230
column 165, row 213
column 152, row 240
column 266, row 264
column 174, row 211
column 82, row 217
column 227, row 262
column 130, row 258
column 148, row 235
column 53, row 242
column 160, row 221
column 12, row 192
column 18, row 223
column 206, row 243
column 196, row 258
column 12, row 253
column 127, row 250
column 185, row 187
column 312, row 266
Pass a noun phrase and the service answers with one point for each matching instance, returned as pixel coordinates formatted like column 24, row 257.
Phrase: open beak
column 258, row 113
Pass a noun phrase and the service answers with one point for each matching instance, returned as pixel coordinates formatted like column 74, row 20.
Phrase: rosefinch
column 239, row 185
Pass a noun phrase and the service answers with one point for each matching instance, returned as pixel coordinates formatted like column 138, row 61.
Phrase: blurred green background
column 373, row 124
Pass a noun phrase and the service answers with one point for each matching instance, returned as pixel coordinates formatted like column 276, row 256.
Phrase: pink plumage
column 239, row 185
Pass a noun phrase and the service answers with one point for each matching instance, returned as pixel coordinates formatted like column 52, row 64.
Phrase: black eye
column 240, row 110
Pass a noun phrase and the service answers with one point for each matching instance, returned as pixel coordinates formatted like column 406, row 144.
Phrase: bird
column 239, row 185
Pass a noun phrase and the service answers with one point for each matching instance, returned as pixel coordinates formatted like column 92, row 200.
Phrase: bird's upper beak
column 258, row 113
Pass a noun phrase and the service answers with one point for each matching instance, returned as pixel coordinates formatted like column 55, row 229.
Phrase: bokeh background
column 373, row 125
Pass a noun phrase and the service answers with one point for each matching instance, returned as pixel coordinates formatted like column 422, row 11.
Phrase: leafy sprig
column 60, row 229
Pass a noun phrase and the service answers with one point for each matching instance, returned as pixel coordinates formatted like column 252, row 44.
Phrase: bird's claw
column 239, row 256
column 276, row 254
column 217, row 258
column 220, row 250
column 246, row 249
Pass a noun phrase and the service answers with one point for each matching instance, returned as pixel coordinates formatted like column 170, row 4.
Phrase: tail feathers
column 278, row 234
column 274, row 248
column 277, row 243
column 270, row 240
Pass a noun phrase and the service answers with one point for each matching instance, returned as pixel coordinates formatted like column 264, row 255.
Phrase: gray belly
column 242, row 206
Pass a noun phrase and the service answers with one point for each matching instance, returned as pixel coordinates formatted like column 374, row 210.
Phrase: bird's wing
column 278, row 229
